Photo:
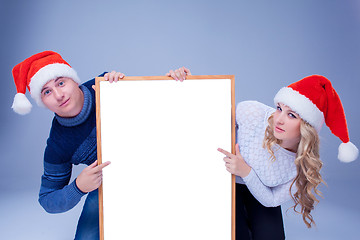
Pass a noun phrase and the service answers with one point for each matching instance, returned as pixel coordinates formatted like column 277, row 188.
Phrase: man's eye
column 61, row 83
column 46, row 92
column 279, row 108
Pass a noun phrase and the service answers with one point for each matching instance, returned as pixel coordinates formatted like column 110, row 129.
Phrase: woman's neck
column 290, row 145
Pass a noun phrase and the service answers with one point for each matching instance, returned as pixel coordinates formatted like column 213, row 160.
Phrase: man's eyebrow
column 43, row 89
column 57, row 79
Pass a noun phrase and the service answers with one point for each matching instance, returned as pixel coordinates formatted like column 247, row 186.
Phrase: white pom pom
column 348, row 152
column 21, row 104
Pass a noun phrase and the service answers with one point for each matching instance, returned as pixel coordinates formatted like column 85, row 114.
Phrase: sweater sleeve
column 250, row 113
column 268, row 196
column 56, row 195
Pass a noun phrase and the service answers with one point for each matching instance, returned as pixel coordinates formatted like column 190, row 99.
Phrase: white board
column 166, row 179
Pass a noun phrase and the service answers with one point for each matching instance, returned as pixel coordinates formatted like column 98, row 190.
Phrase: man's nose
column 58, row 94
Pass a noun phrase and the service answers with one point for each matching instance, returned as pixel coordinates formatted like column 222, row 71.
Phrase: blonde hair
column 308, row 165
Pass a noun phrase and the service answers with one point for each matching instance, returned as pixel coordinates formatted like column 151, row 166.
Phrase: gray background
column 265, row 44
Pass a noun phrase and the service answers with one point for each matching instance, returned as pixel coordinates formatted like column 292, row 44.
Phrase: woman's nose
column 280, row 118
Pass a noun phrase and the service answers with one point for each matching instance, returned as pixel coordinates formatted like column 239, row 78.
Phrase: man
column 54, row 84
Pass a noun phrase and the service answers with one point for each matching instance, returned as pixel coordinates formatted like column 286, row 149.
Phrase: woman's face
column 287, row 127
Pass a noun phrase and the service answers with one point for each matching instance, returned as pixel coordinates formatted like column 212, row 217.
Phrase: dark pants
column 254, row 221
column 88, row 224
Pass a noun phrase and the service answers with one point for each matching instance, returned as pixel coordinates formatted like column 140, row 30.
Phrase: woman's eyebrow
column 293, row 112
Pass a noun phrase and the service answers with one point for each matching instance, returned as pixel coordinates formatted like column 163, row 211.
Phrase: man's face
column 63, row 96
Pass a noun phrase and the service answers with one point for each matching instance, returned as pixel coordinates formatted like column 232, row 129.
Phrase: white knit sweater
column 269, row 181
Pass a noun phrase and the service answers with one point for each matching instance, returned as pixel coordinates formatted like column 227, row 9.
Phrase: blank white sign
column 166, row 179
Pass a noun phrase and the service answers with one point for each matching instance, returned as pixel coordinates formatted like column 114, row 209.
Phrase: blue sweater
column 71, row 141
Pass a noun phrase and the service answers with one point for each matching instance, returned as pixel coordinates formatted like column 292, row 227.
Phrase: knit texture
column 71, row 141
column 83, row 115
column 269, row 181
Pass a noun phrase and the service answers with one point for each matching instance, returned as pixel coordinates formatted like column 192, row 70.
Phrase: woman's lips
column 279, row 129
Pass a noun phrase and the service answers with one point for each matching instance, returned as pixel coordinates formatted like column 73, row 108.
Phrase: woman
column 277, row 154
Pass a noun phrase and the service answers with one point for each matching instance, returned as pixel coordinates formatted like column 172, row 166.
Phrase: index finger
column 101, row 166
column 228, row 154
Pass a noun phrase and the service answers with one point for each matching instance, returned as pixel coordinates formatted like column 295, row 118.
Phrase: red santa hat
column 33, row 73
column 316, row 102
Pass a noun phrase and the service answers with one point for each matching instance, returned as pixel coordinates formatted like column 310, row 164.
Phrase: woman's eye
column 292, row 115
column 61, row 83
column 278, row 108
column 46, row 92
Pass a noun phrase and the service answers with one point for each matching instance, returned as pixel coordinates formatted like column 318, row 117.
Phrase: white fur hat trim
column 301, row 105
column 47, row 73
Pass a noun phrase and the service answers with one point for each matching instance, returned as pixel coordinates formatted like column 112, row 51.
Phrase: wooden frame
column 167, row 177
